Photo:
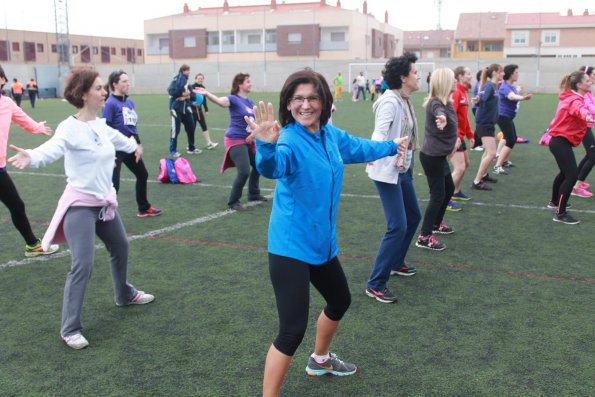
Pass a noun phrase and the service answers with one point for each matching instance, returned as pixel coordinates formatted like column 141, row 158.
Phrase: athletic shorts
column 486, row 130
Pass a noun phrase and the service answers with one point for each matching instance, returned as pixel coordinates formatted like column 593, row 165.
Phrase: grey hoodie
column 392, row 120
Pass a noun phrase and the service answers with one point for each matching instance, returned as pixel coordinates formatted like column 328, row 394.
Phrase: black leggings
column 565, row 180
column 140, row 172
column 508, row 130
column 587, row 163
column 441, row 189
column 11, row 199
column 291, row 280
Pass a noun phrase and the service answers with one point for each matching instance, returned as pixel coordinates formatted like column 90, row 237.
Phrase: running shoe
column 194, row 151
column 488, row 178
column 453, row 207
column 175, row 154
column 429, row 242
column 258, row 197
column 384, row 296
column 149, row 212
column 480, row 186
column 500, row 170
column 405, row 271
column 478, row 148
column 332, row 365
column 585, row 185
column 581, row 192
column 141, row 298
column 237, row 207
column 32, row 251
column 552, row 206
column 443, row 229
column 76, row 341
column 564, row 217
column 461, row 196
column 508, row 164
column 212, row 145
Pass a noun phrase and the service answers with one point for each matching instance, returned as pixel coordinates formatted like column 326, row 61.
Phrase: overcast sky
column 124, row 18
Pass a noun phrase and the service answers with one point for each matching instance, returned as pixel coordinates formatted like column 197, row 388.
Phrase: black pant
column 508, row 130
column 11, row 199
column 32, row 96
column 565, row 180
column 199, row 117
column 441, row 189
column 187, row 118
column 362, row 90
column 587, row 163
column 18, row 98
column 140, row 172
column 291, row 280
column 244, row 160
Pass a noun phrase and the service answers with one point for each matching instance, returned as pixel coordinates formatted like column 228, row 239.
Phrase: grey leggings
column 243, row 158
column 81, row 224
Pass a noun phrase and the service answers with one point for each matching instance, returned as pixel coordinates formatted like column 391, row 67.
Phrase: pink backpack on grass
column 184, row 171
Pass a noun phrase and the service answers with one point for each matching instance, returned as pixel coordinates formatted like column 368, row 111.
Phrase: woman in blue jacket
column 306, row 155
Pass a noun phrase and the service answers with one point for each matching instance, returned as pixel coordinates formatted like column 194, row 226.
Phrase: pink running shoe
column 585, row 185
column 581, row 192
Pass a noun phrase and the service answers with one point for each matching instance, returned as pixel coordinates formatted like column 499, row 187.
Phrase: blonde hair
column 441, row 85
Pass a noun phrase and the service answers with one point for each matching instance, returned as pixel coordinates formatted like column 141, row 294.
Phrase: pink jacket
column 590, row 104
column 72, row 198
column 11, row 113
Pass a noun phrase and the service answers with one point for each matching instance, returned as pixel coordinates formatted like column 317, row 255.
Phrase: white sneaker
column 212, row 145
column 76, row 341
column 195, row 151
column 142, row 298
column 500, row 171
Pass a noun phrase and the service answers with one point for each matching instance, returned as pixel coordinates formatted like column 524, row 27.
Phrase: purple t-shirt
column 507, row 107
column 119, row 113
column 238, row 108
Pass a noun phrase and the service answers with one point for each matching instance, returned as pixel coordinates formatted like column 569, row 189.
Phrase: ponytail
column 571, row 81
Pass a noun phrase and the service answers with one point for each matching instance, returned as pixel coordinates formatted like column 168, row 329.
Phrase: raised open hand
column 264, row 127
column 48, row 130
column 20, row 160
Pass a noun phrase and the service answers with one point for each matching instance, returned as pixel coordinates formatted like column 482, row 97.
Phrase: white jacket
column 89, row 149
column 391, row 120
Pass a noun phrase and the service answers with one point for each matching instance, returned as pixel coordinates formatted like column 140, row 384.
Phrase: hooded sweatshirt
column 392, row 119
column 570, row 119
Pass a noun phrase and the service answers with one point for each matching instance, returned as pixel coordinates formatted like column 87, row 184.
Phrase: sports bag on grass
column 167, row 171
column 184, row 171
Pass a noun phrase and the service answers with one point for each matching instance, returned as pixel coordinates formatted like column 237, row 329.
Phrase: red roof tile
column 485, row 25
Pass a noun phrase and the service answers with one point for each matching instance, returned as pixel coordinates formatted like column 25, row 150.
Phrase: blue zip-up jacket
column 308, row 168
column 487, row 108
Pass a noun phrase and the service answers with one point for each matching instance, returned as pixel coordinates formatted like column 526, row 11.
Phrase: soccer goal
column 374, row 71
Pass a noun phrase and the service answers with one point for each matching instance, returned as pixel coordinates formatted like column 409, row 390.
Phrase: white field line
column 167, row 229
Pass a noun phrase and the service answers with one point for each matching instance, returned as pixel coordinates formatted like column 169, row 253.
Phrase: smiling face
column 411, row 81
column 199, row 79
column 585, row 84
column 465, row 78
column 306, row 107
column 94, row 99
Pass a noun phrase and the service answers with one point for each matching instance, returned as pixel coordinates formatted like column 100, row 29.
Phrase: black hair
column 320, row 86
column 396, row 68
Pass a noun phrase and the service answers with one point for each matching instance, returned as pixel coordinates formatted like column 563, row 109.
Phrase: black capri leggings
column 291, row 282
column 568, row 175
column 587, row 163
column 11, row 199
column 508, row 130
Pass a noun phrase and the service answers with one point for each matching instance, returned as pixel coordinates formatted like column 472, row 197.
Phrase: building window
column 75, row 49
column 472, row 46
column 338, row 36
column 54, row 48
column 190, row 42
column 113, row 50
column 520, row 38
column 123, row 52
column 16, row 47
column 105, row 56
column 212, row 38
column 39, row 47
column 550, row 37
column 163, row 43
column 253, row 39
column 228, row 37
column 139, row 52
column 492, row 46
column 95, row 50
column 270, row 37
column 294, row 38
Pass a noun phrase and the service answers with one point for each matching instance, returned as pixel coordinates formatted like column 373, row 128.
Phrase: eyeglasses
column 312, row 99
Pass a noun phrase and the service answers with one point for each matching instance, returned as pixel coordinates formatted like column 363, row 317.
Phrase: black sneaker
column 237, row 207
column 405, row 271
column 564, row 217
column 258, row 197
column 488, row 178
column 443, row 229
column 384, row 296
column 429, row 242
column 480, row 186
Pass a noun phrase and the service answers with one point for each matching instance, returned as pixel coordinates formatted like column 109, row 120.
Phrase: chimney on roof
column 569, row 12
column 338, row 3
column 586, row 12
column 385, row 16
column 186, row 8
column 365, row 8
column 225, row 6
column 274, row 4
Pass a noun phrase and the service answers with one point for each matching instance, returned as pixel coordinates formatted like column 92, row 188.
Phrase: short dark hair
column 320, row 86
column 114, row 78
column 397, row 67
column 509, row 70
column 237, row 81
column 183, row 68
column 78, row 83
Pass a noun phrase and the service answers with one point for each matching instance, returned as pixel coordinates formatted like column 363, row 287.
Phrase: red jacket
column 460, row 102
column 569, row 121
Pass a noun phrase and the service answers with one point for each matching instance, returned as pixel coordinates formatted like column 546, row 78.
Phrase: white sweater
column 89, row 149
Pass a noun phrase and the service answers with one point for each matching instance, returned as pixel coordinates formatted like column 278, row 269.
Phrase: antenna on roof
column 439, row 6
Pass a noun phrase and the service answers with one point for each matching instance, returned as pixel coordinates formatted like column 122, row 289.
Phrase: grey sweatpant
column 80, row 226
